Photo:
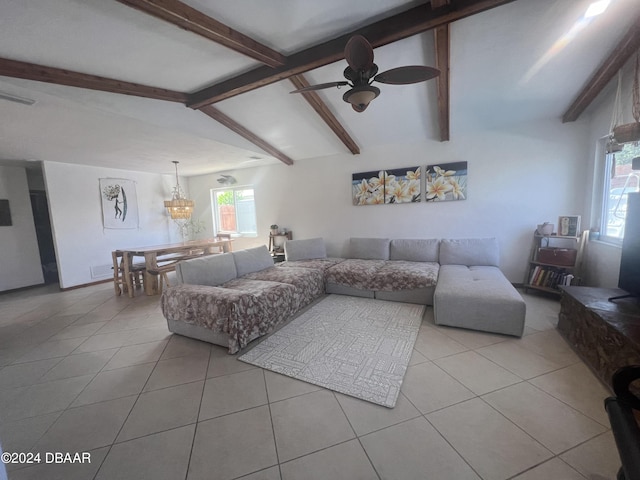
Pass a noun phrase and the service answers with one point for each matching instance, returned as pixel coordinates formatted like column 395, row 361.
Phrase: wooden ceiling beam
column 442, row 42
column 299, row 81
column 59, row 76
column 628, row 45
column 397, row 27
column 192, row 20
column 243, row 132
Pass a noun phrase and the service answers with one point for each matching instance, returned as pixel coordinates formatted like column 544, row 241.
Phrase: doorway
column 40, row 208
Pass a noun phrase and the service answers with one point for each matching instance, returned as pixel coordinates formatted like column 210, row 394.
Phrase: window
column 234, row 211
column 619, row 180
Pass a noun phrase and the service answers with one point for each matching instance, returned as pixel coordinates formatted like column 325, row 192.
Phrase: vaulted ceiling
column 135, row 84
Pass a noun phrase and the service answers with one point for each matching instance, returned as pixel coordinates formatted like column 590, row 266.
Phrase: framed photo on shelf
column 569, row 225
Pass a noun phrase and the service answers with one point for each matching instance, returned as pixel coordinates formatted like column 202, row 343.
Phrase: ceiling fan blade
column 358, row 53
column 407, row 75
column 321, row 86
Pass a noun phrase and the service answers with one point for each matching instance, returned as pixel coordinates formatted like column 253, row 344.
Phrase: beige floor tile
column 80, row 364
column 136, row 355
column 472, row 339
column 103, row 341
column 42, row 398
column 120, row 323
column 232, row 393
column 52, row 349
column 495, row 447
column 25, row 374
column 551, row 346
column 551, row 422
column 164, row 409
column 21, row 435
column 180, row 346
column 418, row 387
column 317, row 412
column 112, row 384
column 417, row 357
column 77, row 331
column 63, row 471
column 233, row 445
column 281, row 387
column 514, row 357
column 596, row 459
column 346, row 461
column 146, row 335
column 221, row 363
column 272, row 473
column 161, row 456
column 414, row 450
column 477, row 373
column 578, row 387
column 554, row 469
column 432, row 344
column 366, row 417
column 177, row 371
column 87, row 427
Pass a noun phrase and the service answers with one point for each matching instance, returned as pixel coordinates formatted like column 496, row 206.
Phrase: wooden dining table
column 156, row 254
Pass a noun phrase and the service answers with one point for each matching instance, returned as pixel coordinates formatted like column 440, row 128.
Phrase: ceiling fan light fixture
column 361, row 96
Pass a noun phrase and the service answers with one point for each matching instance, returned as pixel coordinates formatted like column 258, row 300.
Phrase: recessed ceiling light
column 16, row 99
column 596, row 8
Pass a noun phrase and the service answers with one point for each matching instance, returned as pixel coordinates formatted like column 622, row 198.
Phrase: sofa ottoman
column 473, row 293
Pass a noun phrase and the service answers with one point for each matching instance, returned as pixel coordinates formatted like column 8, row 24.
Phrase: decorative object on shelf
column 274, row 229
column 5, row 213
column 446, row 182
column 179, row 207
column 119, row 203
column 569, row 225
column 545, row 228
column 400, row 185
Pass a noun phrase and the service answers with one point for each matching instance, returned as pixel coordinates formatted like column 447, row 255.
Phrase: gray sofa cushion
column 369, row 248
column 414, row 250
column 469, row 251
column 211, row 270
column 306, row 249
column 252, row 260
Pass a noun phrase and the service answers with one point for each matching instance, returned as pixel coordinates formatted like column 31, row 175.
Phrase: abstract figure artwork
column 119, row 203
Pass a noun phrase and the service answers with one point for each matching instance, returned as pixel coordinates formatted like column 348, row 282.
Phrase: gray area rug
column 356, row 346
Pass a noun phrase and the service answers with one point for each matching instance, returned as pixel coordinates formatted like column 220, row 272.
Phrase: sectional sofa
column 230, row 299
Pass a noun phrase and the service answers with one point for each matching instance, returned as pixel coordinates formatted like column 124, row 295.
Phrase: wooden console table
column 605, row 334
column 153, row 254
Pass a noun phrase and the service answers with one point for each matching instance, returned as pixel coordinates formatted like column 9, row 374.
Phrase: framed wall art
column 119, row 203
column 446, row 182
column 569, row 225
column 399, row 185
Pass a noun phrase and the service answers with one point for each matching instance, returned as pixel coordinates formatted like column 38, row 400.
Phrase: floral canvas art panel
column 446, row 181
column 367, row 188
column 402, row 185
column 119, row 203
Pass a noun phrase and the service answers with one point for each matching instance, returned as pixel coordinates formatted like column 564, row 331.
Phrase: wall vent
column 101, row 271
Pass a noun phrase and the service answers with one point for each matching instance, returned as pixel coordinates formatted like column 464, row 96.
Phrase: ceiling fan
column 361, row 72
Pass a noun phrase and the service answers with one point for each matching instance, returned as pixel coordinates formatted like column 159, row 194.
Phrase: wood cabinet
column 554, row 261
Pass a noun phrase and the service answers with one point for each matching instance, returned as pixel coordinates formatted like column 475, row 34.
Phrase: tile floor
column 85, row 371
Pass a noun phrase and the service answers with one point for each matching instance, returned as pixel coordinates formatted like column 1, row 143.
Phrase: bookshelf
column 554, row 261
column 276, row 245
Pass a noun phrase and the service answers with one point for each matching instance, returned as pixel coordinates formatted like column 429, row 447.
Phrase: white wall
column 19, row 254
column 517, row 178
column 76, row 217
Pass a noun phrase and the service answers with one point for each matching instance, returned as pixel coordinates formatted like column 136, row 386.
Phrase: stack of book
column 549, row 277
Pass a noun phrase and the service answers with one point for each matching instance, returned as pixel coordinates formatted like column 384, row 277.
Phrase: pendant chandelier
column 179, row 207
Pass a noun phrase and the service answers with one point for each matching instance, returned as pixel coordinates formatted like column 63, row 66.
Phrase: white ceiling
column 492, row 81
